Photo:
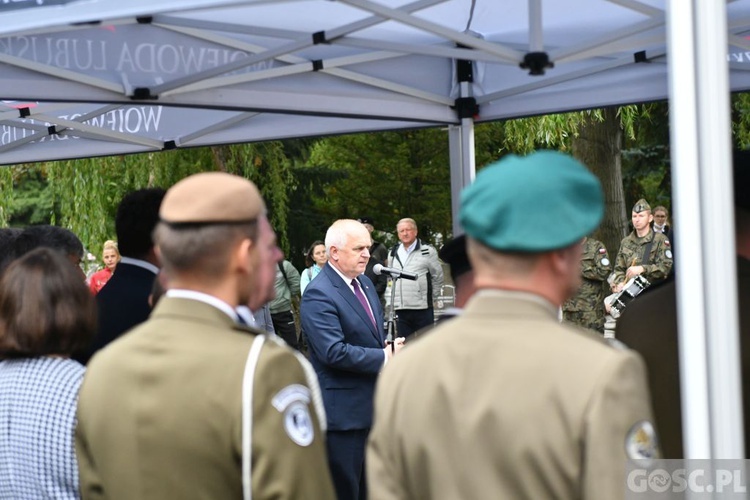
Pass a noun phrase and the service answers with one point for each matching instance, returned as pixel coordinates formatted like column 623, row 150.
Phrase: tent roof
column 95, row 77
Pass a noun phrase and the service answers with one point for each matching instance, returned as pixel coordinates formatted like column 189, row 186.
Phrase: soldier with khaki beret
column 191, row 404
column 586, row 307
column 643, row 252
column 504, row 401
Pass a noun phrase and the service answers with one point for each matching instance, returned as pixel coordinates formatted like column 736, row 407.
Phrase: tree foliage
column 85, row 193
column 388, row 176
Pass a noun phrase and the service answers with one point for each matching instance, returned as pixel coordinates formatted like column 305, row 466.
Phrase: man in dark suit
column 343, row 319
column 123, row 302
column 649, row 325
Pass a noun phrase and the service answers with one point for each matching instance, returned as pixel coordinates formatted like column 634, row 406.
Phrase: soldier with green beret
column 586, row 307
column 642, row 252
column 505, row 401
column 191, row 404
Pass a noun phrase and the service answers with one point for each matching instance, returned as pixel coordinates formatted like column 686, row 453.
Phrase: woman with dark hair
column 46, row 314
column 315, row 258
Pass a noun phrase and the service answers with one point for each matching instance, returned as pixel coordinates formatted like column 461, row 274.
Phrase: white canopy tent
column 100, row 77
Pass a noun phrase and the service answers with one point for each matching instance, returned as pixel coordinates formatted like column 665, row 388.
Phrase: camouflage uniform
column 631, row 254
column 586, row 307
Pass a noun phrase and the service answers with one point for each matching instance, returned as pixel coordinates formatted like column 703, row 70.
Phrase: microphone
column 393, row 273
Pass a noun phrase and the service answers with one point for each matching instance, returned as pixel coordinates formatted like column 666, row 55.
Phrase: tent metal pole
column 545, row 81
column 606, row 46
column 536, row 35
column 62, row 73
column 274, row 53
column 511, row 55
column 705, row 260
column 329, row 68
column 462, row 159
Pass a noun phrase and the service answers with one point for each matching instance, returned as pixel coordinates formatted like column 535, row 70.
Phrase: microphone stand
column 391, row 324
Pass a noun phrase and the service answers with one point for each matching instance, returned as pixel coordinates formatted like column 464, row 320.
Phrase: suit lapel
column 372, row 298
column 346, row 293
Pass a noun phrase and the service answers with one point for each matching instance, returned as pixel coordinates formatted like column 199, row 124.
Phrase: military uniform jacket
column 631, row 254
column 595, row 267
column 160, row 414
column 504, row 401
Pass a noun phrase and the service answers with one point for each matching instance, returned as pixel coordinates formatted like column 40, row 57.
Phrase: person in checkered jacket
column 46, row 314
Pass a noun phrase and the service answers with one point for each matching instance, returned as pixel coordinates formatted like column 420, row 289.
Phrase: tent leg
column 705, row 261
column 463, row 168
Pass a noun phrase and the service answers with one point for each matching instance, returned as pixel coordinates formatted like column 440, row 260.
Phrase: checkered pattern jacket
column 38, row 399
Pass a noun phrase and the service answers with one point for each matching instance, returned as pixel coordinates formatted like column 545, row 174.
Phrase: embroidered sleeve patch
column 641, row 442
column 293, row 402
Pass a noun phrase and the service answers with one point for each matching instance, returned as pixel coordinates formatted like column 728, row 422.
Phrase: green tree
column 86, row 192
column 388, row 176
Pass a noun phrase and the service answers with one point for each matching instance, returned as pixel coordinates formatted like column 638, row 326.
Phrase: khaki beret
column 641, row 206
column 211, row 198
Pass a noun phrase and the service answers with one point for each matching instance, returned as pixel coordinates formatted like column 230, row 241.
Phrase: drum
column 631, row 290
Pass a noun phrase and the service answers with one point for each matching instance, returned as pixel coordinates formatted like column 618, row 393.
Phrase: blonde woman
column 110, row 257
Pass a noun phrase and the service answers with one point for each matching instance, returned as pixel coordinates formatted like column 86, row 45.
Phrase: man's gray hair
column 339, row 232
column 408, row 220
column 337, row 235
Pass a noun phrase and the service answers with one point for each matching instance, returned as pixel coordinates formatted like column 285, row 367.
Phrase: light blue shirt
column 307, row 276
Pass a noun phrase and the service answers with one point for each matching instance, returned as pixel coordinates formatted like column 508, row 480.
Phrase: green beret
column 641, row 206
column 537, row 203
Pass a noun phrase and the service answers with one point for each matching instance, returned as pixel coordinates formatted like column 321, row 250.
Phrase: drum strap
column 647, row 253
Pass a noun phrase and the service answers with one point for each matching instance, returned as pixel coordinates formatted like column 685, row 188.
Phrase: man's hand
column 391, row 350
column 617, row 287
column 634, row 271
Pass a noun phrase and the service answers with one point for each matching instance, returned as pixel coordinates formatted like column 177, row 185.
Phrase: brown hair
column 201, row 249
column 309, row 261
column 45, row 307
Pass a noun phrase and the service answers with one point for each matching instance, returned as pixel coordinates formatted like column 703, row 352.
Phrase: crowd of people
column 184, row 369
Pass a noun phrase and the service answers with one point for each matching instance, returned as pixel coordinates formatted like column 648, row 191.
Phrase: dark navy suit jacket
column 345, row 348
column 122, row 304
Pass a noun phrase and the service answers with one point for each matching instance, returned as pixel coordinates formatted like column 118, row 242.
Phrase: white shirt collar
column 206, row 299
column 346, row 279
column 140, row 263
column 411, row 247
column 247, row 315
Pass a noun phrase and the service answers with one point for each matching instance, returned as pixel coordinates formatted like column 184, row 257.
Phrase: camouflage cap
column 536, row 203
column 211, row 198
column 641, row 206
